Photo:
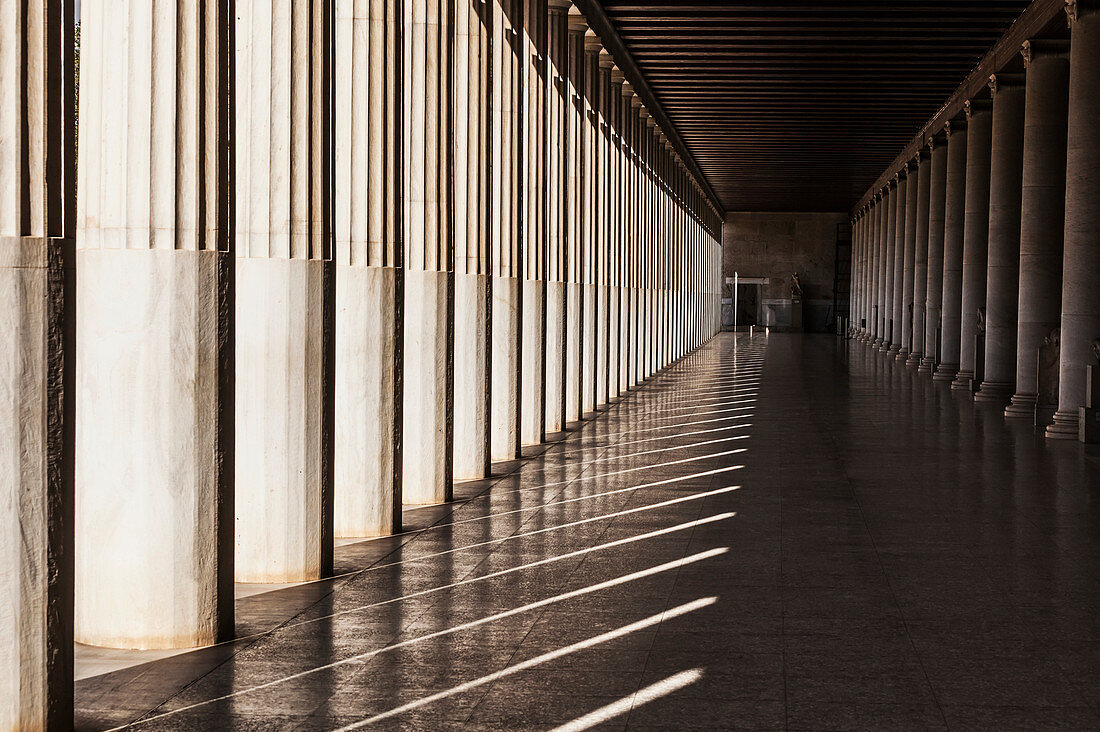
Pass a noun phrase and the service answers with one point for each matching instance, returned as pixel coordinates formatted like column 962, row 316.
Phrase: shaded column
column 1003, row 260
column 535, row 200
column 908, row 261
column 590, row 214
column 428, row 403
column 898, row 309
column 154, row 329
column 882, row 341
column 953, row 224
column 575, row 309
column 937, row 199
column 367, row 486
column 920, row 260
column 285, row 293
column 602, row 224
column 1080, row 336
column 890, row 257
column 975, row 233
column 37, row 221
column 616, row 356
column 1042, row 212
column 874, row 272
column 508, row 238
column 557, row 220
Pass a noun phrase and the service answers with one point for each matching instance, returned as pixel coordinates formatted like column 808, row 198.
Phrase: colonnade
column 998, row 252
column 320, row 261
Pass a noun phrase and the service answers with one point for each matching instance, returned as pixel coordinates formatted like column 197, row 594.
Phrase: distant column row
column 979, row 262
column 322, row 260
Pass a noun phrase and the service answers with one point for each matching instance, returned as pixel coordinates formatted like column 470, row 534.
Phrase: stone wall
column 776, row 245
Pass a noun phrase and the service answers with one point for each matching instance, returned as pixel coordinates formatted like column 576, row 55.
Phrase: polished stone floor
column 781, row 533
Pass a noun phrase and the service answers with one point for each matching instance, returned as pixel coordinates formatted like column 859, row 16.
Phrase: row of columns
column 321, row 260
column 994, row 227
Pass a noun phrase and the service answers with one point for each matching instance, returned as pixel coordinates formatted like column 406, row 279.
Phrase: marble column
column 474, row 227
column 920, row 260
column 890, row 256
column 616, row 356
column 1003, row 260
column 954, row 214
column 1042, row 212
column 937, row 199
column 508, row 182
column 975, row 233
column 1080, row 335
column 590, row 221
column 899, row 310
column 909, row 260
column 557, row 216
column 154, row 329
column 367, row 487
column 36, row 363
column 629, row 242
column 284, row 293
column 533, row 323
column 602, row 224
column 428, row 404
column 574, row 245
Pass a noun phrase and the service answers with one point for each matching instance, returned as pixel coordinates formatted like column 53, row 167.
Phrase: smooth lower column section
column 1080, row 336
column 937, row 200
column 975, row 236
column 154, row 329
column 369, row 280
column 36, row 364
column 1042, row 216
column 953, row 230
column 473, row 346
column 1003, row 265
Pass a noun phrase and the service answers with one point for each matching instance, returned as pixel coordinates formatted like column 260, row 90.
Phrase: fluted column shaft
column 933, row 309
column 1080, row 335
column 428, row 403
column 367, row 487
column 920, row 260
column 953, row 233
column 36, row 363
column 975, row 235
column 1042, row 214
column 155, row 375
column 557, row 217
column 1003, row 260
column 575, row 307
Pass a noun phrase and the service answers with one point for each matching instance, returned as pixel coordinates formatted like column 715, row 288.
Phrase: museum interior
column 549, row 364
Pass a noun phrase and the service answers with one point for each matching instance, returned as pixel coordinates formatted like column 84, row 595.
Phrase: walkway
column 783, row 533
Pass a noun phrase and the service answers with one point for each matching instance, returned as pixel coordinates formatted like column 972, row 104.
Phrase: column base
column 914, row 360
column 1023, row 405
column 962, row 380
column 946, row 372
column 1066, row 426
column 994, row 391
column 927, row 366
column 893, row 350
column 902, row 354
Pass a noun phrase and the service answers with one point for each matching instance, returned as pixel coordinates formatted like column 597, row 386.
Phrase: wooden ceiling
column 799, row 106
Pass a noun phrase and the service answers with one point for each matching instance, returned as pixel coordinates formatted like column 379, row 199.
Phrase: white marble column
column 1042, row 212
column 953, row 220
column 934, row 287
column 1003, row 259
column 507, row 239
column 920, row 261
column 154, row 411
column 36, row 364
column 575, row 231
column 975, row 233
column 557, row 216
column 602, row 222
column 532, row 429
column 367, row 489
column 428, row 402
column 284, row 293
column 590, row 225
column 474, row 226
column 1080, row 336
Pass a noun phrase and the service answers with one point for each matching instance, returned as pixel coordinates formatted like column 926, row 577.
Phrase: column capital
column 1033, row 47
column 1005, row 81
column 592, row 43
column 974, row 106
column 577, row 22
column 1076, row 9
column 953, row 126
column 558, row 6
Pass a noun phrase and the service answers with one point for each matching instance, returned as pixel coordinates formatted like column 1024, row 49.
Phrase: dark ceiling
column 799, row 106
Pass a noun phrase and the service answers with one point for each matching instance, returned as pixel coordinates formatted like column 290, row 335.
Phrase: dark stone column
column 1003, row 265
column 1080, row 334
column 953, row 220
column 934, row 286
column 975, row 232
column 1043, row 209
column 908, row 260
column 877, row 317
column 897, row 298
column 890, row 235
column 920, row 260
